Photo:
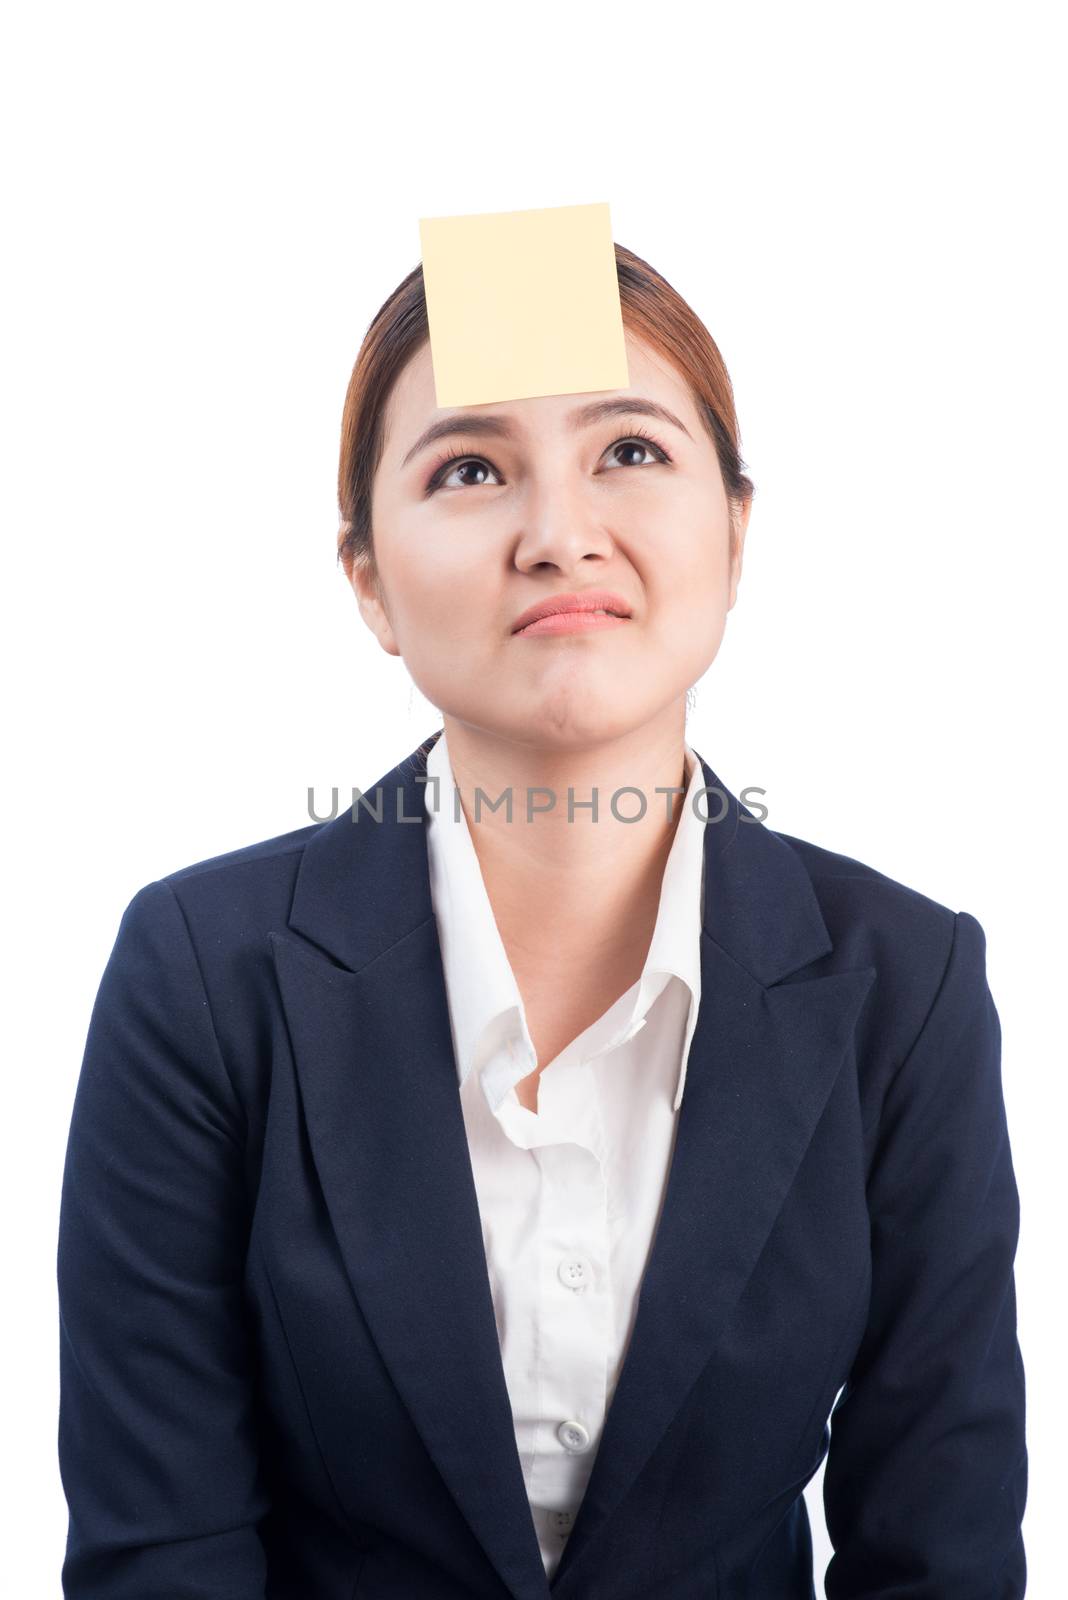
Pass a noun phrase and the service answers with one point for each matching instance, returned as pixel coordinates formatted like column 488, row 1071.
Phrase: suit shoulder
column 875, row 920
column 262, row 856
column 846, row 886
column 229, row 897
column 907, row 937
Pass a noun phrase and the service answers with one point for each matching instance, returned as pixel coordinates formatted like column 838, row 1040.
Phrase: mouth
column 572, row 622
column 571, row 613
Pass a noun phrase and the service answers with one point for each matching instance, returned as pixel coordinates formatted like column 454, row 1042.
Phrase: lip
column 569, row 613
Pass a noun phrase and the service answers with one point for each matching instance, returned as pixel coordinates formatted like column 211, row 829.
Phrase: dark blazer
column 280, row 1366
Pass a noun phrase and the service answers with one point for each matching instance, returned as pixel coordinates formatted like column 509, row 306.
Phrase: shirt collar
column 485, row 1004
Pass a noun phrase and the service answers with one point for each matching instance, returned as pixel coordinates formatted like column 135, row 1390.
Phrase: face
column 529, row 499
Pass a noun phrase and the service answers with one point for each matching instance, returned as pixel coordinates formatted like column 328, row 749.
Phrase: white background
column 206, row 204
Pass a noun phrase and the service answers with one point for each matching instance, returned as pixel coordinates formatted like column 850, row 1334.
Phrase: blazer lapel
column 761, row 1065
column 365, row 1000
column 378, row 1082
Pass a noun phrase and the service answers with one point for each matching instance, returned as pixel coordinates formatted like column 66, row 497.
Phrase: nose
column 560, row 528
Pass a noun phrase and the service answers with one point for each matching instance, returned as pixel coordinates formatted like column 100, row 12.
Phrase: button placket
column 577, row 1311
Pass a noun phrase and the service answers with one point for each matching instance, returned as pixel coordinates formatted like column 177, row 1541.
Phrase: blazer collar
column 364, row 880
column 362, row 986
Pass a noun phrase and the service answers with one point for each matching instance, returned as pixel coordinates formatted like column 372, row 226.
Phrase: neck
column 559, row 886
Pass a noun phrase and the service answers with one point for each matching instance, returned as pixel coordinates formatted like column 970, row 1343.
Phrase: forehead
column 413, row 403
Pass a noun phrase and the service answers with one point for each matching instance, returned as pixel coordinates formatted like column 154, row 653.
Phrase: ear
column 739, row 523
column 362, row 574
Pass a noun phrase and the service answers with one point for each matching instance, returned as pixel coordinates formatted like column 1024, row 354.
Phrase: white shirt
column 569, row 1195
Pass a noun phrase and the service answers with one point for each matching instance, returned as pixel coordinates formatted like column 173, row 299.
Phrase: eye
column 448, row 466
column 641, row 441
column 453, row 464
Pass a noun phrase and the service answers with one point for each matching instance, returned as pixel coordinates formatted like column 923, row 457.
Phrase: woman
column 383, row 1124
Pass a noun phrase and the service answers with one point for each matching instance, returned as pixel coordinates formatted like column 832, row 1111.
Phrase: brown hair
column 652, row 310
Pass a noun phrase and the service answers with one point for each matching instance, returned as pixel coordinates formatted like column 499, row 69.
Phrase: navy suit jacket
column 280, row 1367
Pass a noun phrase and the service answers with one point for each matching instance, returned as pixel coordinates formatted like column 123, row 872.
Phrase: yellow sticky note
column 523, row 303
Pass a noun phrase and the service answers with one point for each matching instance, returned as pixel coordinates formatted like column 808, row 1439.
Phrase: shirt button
column 574, row 1437
column 560, row 1522
column 575, row 1272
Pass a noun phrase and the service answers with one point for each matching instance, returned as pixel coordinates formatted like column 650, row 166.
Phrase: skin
column 553, row 509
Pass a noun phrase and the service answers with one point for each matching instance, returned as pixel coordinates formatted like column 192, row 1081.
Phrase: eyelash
column 438, row 471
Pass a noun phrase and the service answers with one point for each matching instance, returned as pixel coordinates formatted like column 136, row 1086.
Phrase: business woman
column 479, row 1193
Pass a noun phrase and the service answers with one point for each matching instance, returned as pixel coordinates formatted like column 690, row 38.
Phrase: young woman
column 504, row 1182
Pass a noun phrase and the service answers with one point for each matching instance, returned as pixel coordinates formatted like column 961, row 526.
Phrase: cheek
column 690, row 565
column 443, row 595
column 688, row 590
column 421, row 571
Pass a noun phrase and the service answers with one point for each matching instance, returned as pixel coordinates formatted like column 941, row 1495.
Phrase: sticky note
column 522, row 303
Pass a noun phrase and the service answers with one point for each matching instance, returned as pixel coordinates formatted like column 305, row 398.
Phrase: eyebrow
column 487, row 425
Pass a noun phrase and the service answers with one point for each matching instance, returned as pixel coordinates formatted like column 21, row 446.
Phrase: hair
column 652, row 311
